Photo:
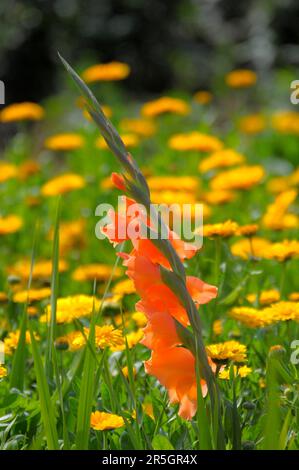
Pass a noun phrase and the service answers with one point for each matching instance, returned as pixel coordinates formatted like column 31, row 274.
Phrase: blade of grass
column 47, row 408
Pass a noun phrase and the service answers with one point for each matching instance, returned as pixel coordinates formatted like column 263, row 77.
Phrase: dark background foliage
column 168, row 43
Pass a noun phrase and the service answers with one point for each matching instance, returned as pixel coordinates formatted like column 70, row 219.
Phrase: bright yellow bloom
column 71, row 308
column 243, row 177
column 101, row 421
column 203, row 97
column 3, row 372
column 221, row 159
column 22, row 112
column 276, row 217
column 12, row 339
column 62, row 184
column 229, row 350
column 195, row 141
column 7, row 171
column 108, row 72
column 130, row 141
column 246, row 248
column 32, row 295
column 64, row 142
column 71, row 235
column 248, row 230
column 252, row 124
column 42, row 269
column 139, row 318
column 100, row 272
column 124, row 287
column 141, row 127
column 286, row 122
column 10, row 224
column 216, row 198
column 282, row 251
column 282, row 311
column 224, row 229
column 242, row 372
column 3, row 297
column 241, row 78
column 169, row 197
column 132, row 339
column 173, row 183
column 163, row 105
column 266, row 297
column 252, row 317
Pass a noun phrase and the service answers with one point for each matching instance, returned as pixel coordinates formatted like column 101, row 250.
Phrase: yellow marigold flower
column 100, row 272
column 172, row 197
column 27, row 169
column 252, row 317
column 286, row 122
column 246, row 248
column 262, row 383
column 71, row 235
column 224, row 229
column 141, row 127
column 12, row 339
column 139, row 318
column 282, row 251
column 130, row 141
column 22, row 112
column 242, row 372
column 203, row 97
column 248, row 230
column 72, row 307
column 241, row 78
column 125, row 371
column 62, row 184
column 279, row 184
column 252, row 124
column 282, row 311
column 32, row 311
column 42, row 269
column 101, row 421
column 124, row 287
column 32, row 295
column 195, row 141
column 7, row 171
column 3, row 372
column 173, row 183
column 221, row 159
column 275, row 217
column 216, row 198
column 163, row 105
column 148, row 409
column 10, row 224
column 294, row 296
column 68, row 141
column 243, row 177
column 132, row 338
column 229, row 350
column 217, row 327
column 109, row 72
column 269, row 297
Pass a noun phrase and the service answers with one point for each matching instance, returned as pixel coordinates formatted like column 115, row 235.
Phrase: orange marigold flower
column 203, row 97
column 164, row 105
column 141, row 127
column 22, row 112
column 62, row 184
column 246, row 248
column 243, row 177
column 101, row 421
column 195, row 141
column 100, row 272
column 226, row 229
column 218, row 197
column 108, row 72
column 241, row 78
column 10, row 224
column 68, row 141
column 247, row 230
column 7, row 171
column 221, row 159
column 32, row 295
column 286, row 122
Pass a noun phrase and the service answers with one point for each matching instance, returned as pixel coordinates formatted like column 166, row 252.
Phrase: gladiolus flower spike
column 174, row 278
